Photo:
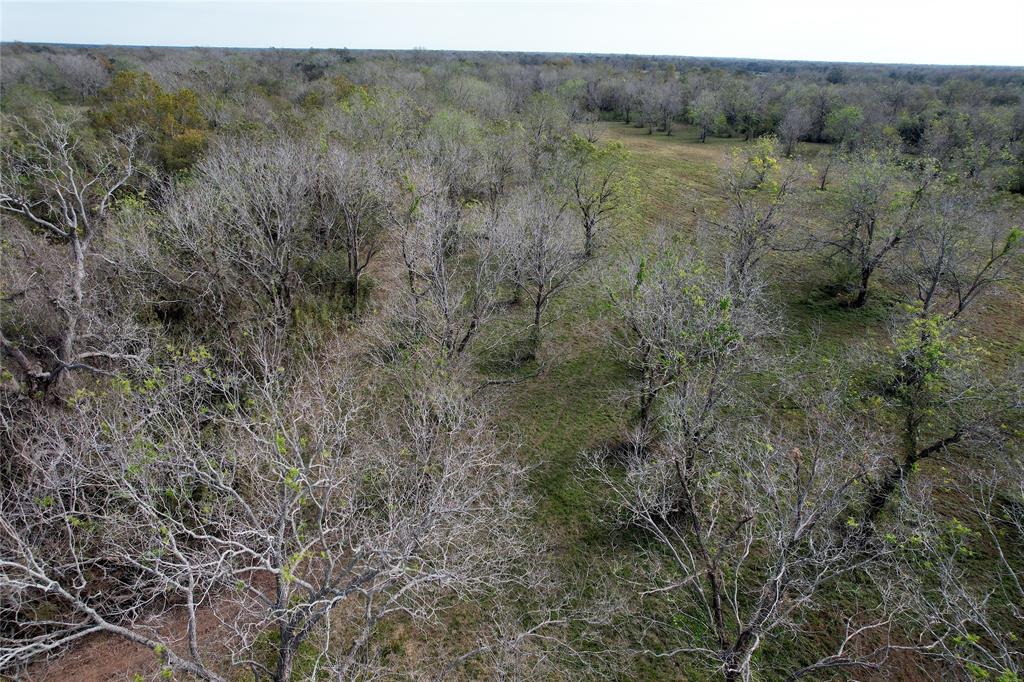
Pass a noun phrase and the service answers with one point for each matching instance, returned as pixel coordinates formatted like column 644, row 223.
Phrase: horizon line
column 7, row 41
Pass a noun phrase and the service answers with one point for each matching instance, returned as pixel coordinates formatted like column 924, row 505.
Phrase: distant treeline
column 969, row 118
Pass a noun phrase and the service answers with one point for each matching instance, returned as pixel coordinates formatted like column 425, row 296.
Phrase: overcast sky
column 918, row 31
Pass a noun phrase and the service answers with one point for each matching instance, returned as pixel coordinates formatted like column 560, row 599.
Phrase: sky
column 903, row 31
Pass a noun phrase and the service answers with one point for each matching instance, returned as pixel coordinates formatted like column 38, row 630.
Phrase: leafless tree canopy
column 682, row 319
column 62, row 186
column 541, row 248
column 276, row 500
column 748, row 525
column 875, row 215
column 242, row 228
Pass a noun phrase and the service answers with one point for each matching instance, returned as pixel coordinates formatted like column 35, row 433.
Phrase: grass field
column 573, row 406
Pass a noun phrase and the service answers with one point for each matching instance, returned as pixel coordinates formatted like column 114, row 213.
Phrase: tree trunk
column 285, row 658
column 353, row 264
column 884, row 490
column 66, row 353
column 737, row 658
column 647, row 398
column 534, row 339
column 862, row 290
column 517, row 295
column 353, row 288
column 588, row 238
column 732, row 673
column 824, row 175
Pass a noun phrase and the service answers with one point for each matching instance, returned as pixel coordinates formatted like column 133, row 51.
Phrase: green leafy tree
column 171, row 121
column 601, row 184
column 933, row 384
column 843, row 128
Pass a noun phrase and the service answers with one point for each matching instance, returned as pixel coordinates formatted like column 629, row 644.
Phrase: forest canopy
column 352, row 365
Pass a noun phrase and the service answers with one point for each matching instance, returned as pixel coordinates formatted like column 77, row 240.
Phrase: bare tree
column 546, row 122
column 626, row 96
column 678, row 316
column 454, row 265
column 970, row 596
column 504, row 161
column 843, row 128
column 795, row 125
column 296, row 512
column 932, row 377
column 58, row 183
column 84, row 74
column 542, row 250
column 958, row 255
column 933, row 381
column 387, row 126
column 755, row 221
column 601, row 185
column 875, row 215
column 74, row 543
column 705, row 113
column 745, row 527
column 351, row 205
column 238, row 231
column 669, row 102
column 452, row 144
column 648, row 114
column 745, row 105
column 997, row 613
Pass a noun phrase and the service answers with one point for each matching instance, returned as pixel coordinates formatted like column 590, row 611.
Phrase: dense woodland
column 349, row 365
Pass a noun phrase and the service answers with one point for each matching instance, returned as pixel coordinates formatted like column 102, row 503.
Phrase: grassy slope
column 572, row 407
